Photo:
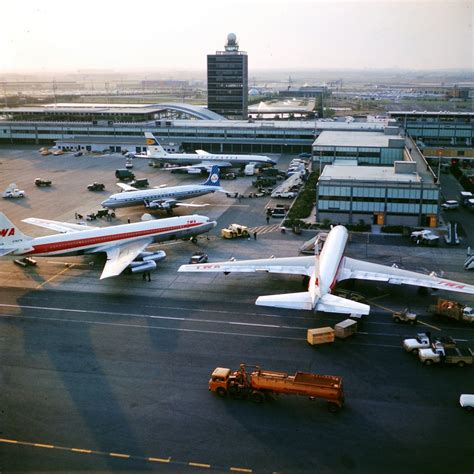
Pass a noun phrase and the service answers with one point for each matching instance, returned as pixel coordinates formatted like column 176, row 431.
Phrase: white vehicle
column 284, row 194
column 324, row 271
column 424, row 341
column 452, row 204
column 164, row 198
column 249, row 169
column 124, row 244
column 439, row 354
column 424, row 236
column 12, row 192
column 467, row 401
column 201, row 160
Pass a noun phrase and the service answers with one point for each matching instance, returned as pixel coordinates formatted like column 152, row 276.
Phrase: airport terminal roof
column 330, row 138
column 367, row 173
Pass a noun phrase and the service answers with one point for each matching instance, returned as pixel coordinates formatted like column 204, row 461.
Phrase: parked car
column 229, row 176
column 140, row 183
column 304, row 155
column 78, row 153
column 467, row 401
column 199, row 257
column 42, row 182
column 452, row 204
column 96, row 187
column 124, row 174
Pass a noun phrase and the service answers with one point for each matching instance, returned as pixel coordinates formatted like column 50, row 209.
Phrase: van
column 124, row 174
column 249, row 170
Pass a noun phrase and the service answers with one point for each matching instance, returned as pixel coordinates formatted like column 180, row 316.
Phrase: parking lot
column 112, row 375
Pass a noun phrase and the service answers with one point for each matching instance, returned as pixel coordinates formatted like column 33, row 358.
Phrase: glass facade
column 227, row 84
column 353, row 199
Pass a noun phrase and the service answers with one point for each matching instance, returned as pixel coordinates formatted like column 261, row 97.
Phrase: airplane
column 164, row 198
column 124, row 244
column 325, row 271
column 199, row 161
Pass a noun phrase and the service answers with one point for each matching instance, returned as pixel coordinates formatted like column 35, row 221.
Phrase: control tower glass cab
column 227, row 81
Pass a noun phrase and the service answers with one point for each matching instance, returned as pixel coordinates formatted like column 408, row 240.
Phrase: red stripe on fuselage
column 101, row 240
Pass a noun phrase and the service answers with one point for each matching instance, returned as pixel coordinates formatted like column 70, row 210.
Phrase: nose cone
column 107, row 203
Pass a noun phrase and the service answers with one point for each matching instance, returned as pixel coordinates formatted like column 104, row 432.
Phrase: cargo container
column 345, row 328
column 320, row 335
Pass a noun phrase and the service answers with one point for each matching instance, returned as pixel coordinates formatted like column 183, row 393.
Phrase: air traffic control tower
column 227, row 81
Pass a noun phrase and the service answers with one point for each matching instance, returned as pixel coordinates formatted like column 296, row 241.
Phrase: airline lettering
column 452, row 284
column 7, row 232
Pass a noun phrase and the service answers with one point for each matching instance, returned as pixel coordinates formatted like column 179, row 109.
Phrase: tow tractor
column 12, row 192
column 404, row 317
column 234, row 231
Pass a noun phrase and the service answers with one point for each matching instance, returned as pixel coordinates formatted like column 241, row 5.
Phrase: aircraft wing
column 361, row 270
column 63, row 227
column 126, row 187
column 287, row 265
column 202, row 152
column 120, row 256
column 203, row 166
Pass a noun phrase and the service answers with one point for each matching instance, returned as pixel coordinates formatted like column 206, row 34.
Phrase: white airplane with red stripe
column 324, row 272
column 124, row 244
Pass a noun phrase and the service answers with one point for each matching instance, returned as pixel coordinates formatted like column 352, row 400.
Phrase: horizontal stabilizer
column 335, row 304
column 288, row 300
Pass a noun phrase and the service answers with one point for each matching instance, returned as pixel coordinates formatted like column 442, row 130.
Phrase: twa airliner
column 324, row 271
column 201, row 160
column 124, row 244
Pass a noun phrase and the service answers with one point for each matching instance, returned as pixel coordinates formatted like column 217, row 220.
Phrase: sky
column 140, row 35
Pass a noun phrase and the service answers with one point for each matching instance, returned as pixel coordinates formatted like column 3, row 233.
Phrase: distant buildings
column 227, row 81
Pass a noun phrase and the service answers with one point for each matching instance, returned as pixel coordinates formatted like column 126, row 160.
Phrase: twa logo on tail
column 7, row 232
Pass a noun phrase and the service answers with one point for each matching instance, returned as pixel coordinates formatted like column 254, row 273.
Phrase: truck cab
column 413, row 345
column 219, row 381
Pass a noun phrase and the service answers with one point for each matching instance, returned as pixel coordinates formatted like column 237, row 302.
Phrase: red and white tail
column 11, row 238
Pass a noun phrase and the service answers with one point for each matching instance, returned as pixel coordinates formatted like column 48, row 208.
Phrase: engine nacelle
column 140, row 267
column 152, row 256
column 161, row 205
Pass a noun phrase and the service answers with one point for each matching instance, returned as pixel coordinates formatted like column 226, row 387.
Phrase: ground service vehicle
column 229, row 176
column 424, row 236
column 198, row 257
column 439, row 354
column 466, row 400
column 140, row 183
column 345, row 328
column 12, row 192
column 264, row 383
column 264, row 181
column 320, row 335
column 96, row 187
column 42, row 182
column 404, row 317
column 452, row 204
column 453, row 310
column 249, row 170
column 423, row 341
column 124, row 174
column 464, row 197
column 234, row 231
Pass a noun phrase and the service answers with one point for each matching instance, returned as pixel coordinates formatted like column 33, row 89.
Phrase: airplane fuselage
column 329, row 261
column 91, row 240
column 135, row 198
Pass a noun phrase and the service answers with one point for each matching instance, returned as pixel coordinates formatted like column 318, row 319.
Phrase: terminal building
column 381, row 195
column 374, row 148
column 227, row 81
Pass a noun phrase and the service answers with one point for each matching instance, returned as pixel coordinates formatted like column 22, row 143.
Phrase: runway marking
column 168, row 318
column 54, row 276
column 125, row 456
column 429, row 325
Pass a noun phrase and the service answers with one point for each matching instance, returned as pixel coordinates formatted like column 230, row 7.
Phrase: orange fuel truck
column 259, row 384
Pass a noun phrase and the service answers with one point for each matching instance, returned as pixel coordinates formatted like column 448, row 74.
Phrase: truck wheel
column 396, row 319
column 427, row 362
column 461, row 363
column 194, row 240
column 414, row 351
column 333, row 407
column 221, row 392
column 257, row 397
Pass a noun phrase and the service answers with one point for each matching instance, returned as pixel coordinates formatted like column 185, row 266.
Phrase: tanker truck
column 260, row 384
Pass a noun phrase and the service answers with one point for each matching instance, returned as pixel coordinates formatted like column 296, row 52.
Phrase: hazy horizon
column 112, row 37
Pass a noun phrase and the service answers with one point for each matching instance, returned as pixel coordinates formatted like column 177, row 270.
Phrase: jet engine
column 161, row 205
column 146, row 261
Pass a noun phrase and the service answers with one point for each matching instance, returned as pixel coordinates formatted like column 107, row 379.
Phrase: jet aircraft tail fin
column 154, row 149
column 214, row 178
column 11, row 238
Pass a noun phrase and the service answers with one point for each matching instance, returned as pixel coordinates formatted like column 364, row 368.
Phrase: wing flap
column 360, row 270
column 286, row 265
column 119, row 257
